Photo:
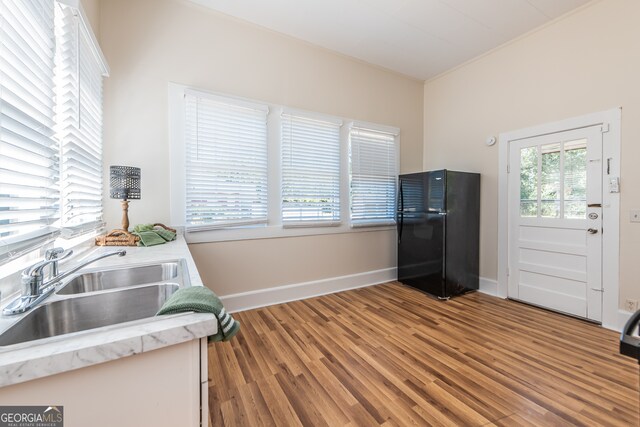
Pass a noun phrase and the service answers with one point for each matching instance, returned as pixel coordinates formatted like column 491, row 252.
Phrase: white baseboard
column 623, row 317
column 488, row 286
column 280, row 294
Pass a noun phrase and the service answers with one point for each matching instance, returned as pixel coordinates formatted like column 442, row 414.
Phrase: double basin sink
column 99, row 298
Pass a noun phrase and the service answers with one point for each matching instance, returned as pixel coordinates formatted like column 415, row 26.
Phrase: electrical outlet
column 631, row 305
column 634, row 216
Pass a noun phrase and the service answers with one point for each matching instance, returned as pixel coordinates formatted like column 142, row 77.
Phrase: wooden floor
column 388, row 355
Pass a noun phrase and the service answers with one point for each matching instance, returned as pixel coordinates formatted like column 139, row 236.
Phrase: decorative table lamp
column 125, row 185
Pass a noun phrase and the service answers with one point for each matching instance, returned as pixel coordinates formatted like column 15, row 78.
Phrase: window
column 78, row 123
column 553, row 180
column 28, row 149
column 226, row 162
column 310, row 171
column 37, row 167
column 373, row 173
column 244, row 169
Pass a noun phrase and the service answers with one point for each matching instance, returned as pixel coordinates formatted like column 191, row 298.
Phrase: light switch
column 614, row 185
column 634, row 216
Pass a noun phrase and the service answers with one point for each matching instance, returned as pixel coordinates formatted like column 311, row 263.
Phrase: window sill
column 274, row 232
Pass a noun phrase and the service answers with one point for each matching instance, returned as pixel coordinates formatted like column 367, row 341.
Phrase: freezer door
column 462, row 244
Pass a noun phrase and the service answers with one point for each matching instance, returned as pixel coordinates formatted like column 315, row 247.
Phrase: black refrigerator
column 438, row 220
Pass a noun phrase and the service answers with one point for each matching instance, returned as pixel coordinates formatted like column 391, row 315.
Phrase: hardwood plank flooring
column 389, row 355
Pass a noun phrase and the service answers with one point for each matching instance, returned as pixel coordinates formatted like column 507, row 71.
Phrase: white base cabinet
column 164, row 387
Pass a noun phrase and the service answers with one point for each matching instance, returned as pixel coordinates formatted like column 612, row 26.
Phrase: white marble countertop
column 36, row 359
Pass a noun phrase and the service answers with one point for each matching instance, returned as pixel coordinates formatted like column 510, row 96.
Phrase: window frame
column 274, row 227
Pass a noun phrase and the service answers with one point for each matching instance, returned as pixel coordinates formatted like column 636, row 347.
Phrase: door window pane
column 529, row 182
column 575, row 179
column 550, row 181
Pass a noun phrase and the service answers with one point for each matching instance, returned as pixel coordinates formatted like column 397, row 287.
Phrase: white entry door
column 555, row 217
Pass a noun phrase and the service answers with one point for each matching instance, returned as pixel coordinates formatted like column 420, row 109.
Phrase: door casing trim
column 610, row 203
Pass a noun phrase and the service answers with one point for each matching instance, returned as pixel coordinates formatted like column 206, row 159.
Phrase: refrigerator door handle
column 401, row 213
column 444, row 254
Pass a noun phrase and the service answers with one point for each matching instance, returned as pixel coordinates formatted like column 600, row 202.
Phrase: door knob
column 592, row 231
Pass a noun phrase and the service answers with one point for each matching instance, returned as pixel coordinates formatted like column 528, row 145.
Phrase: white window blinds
column 373, row 175
column 310, row 171
column 79, row 74
column 28, row 151
column 226, row 162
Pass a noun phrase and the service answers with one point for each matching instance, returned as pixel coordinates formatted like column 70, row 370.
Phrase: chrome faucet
column 33, row 277
column 53, row 254
column 34, row 288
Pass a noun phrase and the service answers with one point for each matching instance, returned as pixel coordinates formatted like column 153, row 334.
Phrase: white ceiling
column 418, row 38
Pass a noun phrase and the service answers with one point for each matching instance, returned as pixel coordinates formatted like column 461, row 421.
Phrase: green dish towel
column 151, row 236
column 202, row 300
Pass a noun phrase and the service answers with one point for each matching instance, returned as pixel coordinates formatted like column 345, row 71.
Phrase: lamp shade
column 125, row 182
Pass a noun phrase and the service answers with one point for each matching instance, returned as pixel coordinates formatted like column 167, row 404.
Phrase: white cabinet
column 164, row 387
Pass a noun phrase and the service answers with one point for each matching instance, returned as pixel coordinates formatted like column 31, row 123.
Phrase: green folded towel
column 165, row 234
column 142, row 227
column 202, row 300
column 150, row 235
column 149, row 238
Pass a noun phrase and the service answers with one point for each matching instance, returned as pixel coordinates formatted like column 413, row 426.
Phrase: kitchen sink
column 85, row 312
column 122, row 277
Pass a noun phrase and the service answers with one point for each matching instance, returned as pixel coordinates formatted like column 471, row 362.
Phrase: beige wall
column 239, row 266
column 587, row 62
column 149, row 43
column 92, row 10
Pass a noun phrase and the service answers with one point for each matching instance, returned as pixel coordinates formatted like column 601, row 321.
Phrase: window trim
column 274, row 227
